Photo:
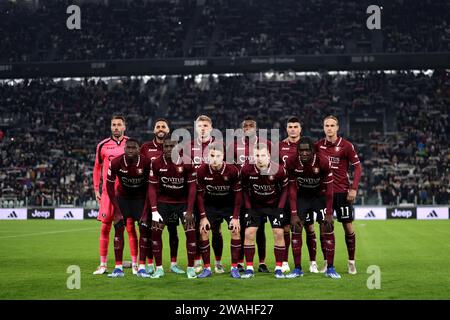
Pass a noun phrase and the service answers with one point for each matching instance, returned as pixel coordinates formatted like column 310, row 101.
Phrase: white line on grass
column 49, row 232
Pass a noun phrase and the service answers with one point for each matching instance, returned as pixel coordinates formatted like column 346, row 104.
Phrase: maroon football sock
column 144, row 243
column 311, row 242
column 249, row 252
column 287, row 243
column 330, row 243
column 198, row 254
column 217, row 244
column 157, row 246
column 279, row 255
column 350, row 241
column 261, row 243
column 235, row 251
column 191, row 246
column 173, row 241
column 118, row 244
column 297, row 248
column 323, row 246
column 242, row 251
column 206, row 252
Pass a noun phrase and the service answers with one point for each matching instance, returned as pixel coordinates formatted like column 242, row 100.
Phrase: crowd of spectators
column 142, row 29
column 50, row 128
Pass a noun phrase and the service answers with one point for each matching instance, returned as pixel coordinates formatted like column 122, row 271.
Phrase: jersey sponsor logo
column 286, row 149
column 152, row 150
column 253, row 178
column 308, row 182
column 217, row 188
column 208, row 178
column 163, row 170
column 123, row 171
column 262, row 187
column 173, row 180
column 133, row 182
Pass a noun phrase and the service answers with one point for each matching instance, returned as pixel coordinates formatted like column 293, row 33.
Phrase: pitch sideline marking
column 48, row 232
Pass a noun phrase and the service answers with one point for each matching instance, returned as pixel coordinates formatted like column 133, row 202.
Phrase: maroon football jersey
column 172, row 178
column 264, row 190
column 243, row 149
column 288, row 150
column 199, row 151
column 218, row 186
column 152, row 149
column 311, row 178
column 341, row 154
column 132, row 177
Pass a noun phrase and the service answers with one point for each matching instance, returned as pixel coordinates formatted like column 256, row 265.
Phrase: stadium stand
column 51, row 127
column 220, row 28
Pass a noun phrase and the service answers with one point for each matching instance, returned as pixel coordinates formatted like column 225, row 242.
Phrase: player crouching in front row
column 172, row 192
column 265, row 192
column 219, row 193
column 311, row 193
column 132, row 171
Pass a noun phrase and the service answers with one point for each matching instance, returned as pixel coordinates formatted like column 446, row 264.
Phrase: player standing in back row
column 341, row 154
column 172, row 192
column 152, row 150
column 107, row 150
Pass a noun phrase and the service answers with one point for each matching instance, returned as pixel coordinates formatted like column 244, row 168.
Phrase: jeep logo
column 401, row 213
column 92, row 214
column 40, row 214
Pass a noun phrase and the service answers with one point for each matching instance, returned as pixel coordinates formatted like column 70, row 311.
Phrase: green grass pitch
column 413, row 257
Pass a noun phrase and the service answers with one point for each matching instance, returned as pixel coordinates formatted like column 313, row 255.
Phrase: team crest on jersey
column 271, row 178
column 225, row 178
column 337, row 149
column 316, row 170
column 140, row 171
column 180, row 169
